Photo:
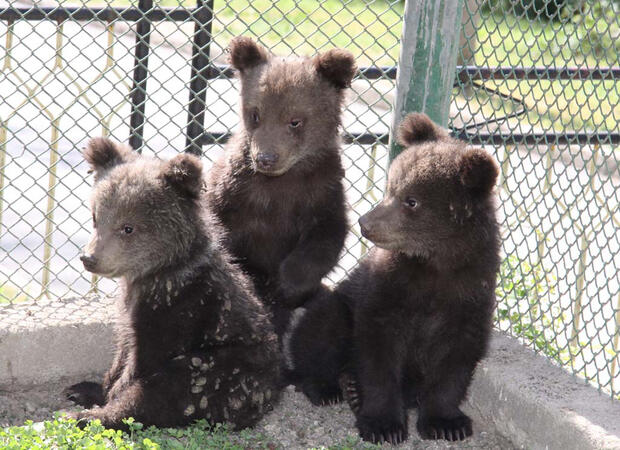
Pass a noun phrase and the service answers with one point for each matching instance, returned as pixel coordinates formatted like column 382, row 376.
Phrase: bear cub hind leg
column 317, row 345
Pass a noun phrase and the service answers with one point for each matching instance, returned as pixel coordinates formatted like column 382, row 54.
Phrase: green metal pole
column 427, row 65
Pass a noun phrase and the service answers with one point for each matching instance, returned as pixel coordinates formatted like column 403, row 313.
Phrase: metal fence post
column 201, row 68
column 140, row 74
column 427, row 64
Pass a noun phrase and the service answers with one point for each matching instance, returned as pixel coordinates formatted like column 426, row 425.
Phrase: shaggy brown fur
column 193, row 340
column 417, row 311
column 278, row 189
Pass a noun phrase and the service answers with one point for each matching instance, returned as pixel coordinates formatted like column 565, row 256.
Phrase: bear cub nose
column 364, row 227
column 266, row 160
column 89, row 261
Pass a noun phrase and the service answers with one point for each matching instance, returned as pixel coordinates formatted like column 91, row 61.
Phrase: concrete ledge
column 45, row 342
column 516, row 392
column 540, row 406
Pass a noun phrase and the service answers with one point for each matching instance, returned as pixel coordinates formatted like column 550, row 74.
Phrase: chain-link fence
column 156, row 76
column 133, row 72
column 557, row 96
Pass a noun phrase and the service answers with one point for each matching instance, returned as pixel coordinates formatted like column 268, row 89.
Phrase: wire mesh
column 558, row 288
column 70, row 72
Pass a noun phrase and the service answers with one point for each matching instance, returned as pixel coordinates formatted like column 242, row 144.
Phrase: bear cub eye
column 94, row 222
column 128, row 229
column 411, row 202
column 255, row 117
column 295, row 123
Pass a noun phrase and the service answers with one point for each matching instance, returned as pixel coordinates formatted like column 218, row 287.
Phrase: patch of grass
column 370, row 29
column 351, row 443
column 562, row 105
column 119, row 3
column 63, row 433
column 505, row 40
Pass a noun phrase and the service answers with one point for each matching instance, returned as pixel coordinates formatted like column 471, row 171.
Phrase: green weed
column 63, row 433
column 524, row 306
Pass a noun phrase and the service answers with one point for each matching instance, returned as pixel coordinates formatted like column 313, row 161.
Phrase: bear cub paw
column 455, row 429
column 82, row 418
column 295, row 284
column 321, row 394
column 86, row 394
column 383, row 429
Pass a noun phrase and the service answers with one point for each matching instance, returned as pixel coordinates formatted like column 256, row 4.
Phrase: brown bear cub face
column 290, row 107
column 133, row 199
column 193, row 340
column 435, row 188
column 409, row 325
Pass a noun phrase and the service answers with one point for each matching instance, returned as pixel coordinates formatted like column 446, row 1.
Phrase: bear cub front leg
column 439, row 415
column 379, row 422
column 318, row 347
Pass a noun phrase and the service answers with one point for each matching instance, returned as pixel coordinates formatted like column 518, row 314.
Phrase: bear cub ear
column 245, row 53
column 478, row 171
column 184, row 172
column 102, row 154
column 337, row 66
column 417, row 128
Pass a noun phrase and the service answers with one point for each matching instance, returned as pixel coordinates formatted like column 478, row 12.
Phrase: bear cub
column 416, row 313
column 278, row 188
column 193, row 341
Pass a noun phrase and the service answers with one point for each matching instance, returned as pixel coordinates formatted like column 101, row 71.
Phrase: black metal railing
column 203, row 70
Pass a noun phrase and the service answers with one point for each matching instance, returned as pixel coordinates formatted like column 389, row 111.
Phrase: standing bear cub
column 278, row 188
column 193, row 340
column 419, row 305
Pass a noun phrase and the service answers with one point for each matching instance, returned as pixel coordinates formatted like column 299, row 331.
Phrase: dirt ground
column 294, row 424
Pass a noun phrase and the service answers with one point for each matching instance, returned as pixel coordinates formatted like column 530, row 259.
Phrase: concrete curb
column 518, row 393
column 45, row 342
column 540, row 406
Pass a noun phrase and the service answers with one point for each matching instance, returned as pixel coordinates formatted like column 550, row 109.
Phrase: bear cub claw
column 86, row 394
column 383, row 429
column 321, row 395
column 331, row 401
column 350, row 391
column 455, row 429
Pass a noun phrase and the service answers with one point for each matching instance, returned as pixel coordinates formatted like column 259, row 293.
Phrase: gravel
column 36, row 403
column 294, row 424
